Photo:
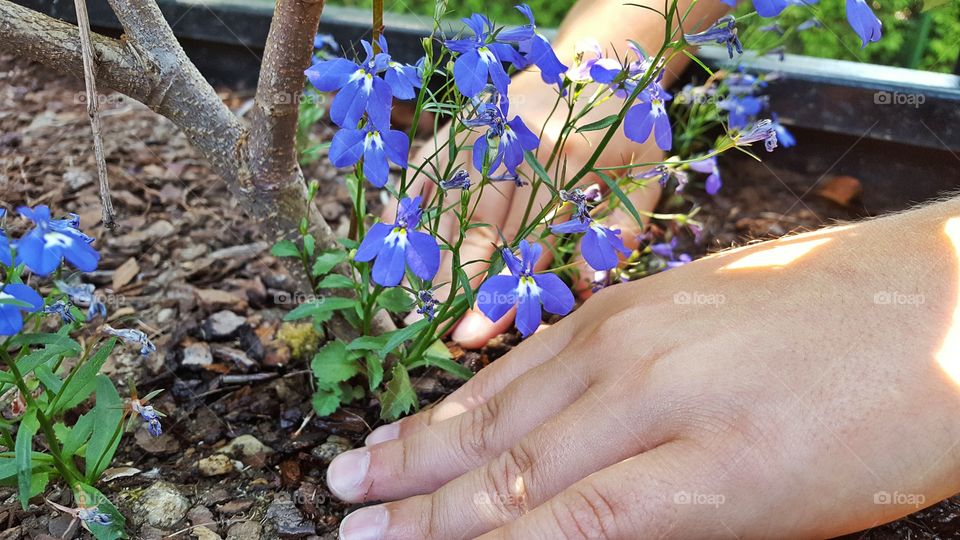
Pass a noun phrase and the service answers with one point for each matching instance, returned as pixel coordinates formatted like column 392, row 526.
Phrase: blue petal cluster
column 507, row 139
column 16, row 298
column 524, row 289
column 399, row 246
column 45, row 246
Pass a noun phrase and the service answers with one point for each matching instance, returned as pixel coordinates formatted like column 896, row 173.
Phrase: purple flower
column 62, row 309
column 741, row 109
column 763, row 130
column 724, row 31
column 599, row 245
column 536, row 49
column 784, row 137
column 511, row 137
column 321, row 41
column 14, row 298
column 131, row 336
column 709, row 165
column 524, row 289
column 586, row 53
column 50, row 241
column 399, row 246
column 863, row 21
column 481, row 56
column 428, row 304
column 404, row 79
column 459, row 180
column 149, row 415
column 665, row 250
column 581, row 199
column 374, row 146
column 621, row 75
column 83, row 294
column 360, row 87
column 660, row 172
column 649, row 114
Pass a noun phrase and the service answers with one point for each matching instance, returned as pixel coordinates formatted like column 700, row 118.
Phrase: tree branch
column 273, row 154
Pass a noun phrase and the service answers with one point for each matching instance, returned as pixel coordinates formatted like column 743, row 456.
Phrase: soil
column 186, row 254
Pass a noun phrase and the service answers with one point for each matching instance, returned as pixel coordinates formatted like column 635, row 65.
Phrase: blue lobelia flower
column 361, row 89
column 399, row 246
column 14, row 298
column 765, row 8
column 784, row 137
column 599, row 245
column 374, row 146
column 536, row 49
column 650, row 114
column 863, row 21
column 524, row 289
column 50, row 241
column 587, row 52
column 512, row 137
column 321, row 41
column 131, row 336
column 741, row 109
column 709, row 166
column 666, row 251
column 763, row 130
column 481, row 57
column 724, row 31
column 621, row 76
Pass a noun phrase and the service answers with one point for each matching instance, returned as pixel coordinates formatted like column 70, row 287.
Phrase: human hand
column 503, row 205
column 773, row 390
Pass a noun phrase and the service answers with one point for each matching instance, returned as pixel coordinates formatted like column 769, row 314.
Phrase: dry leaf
column 125, row 273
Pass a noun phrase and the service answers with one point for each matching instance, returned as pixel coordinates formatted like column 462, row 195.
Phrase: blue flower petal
column 470, row 73
column 26, row 294
column 571, row 227
column 638, row 122
column 350, row 103
column 528, row 140
column 529, row 255
column 347, row 147
column 11, row 321
column 330, row 75
column 379, row 104
column 554, row 293
column 397, row 146
column 863, row 21
column 480, row 149
column 605, row 70
column 5, row 255
column 513, row 264
column 541, row 54
column 663, row 132
column 375, row 166
column 497, row 295
column 32, row 250
column 372, row 242
column 80, row 254
column 400, row 84
column 389, row 267
column 529, row 314
column 769, row 8
column 423, row 255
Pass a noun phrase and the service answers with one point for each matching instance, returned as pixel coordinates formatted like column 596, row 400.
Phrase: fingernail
column 470, row 328
column 368, row 523
column 383, row 433
column 346, row 474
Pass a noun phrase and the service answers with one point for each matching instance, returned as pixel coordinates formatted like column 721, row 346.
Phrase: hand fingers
column 490, row 381
column 657, row 494
column 529, row 473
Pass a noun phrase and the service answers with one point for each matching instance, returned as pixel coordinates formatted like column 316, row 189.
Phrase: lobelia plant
column 464, row 81
column 50, row 375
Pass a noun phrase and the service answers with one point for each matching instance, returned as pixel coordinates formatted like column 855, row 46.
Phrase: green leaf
column 397, row 337
column 77, row 435
column 23, row 450
column 335, row 281
column 395, row 300
column 325, row 401
column 285, row 248
column 325, row 262
column 52, row 382
column 615, row 189
column 398, row 398
column 368, row 343
column 374, row 371
column 107, row 413
column 30, row 362
column 599, row 124
column 309, row 244
column 333, row 364
column 438, row 355
column 47, row 339
column 464, row 281
column 320, row 306
column 84, row 380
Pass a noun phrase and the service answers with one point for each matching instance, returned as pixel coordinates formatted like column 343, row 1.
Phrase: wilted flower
column 131, row 336
column 62, row 309
column 149, row 415
column 15, row 298
column 50, row 241
column 525, row 290
column 459, row 180
column 428, row 304
column 398, row 246
column 763, row 130
column 83, row 294
column 87, row 515
column 586, row 54
column 724, row 31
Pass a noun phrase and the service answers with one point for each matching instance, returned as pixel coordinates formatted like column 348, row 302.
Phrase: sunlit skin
column 806, row 397
column 612, row 24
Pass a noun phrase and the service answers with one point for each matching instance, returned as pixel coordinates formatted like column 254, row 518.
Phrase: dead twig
column 93, row 111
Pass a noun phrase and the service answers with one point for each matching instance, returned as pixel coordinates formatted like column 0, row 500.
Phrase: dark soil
column 193, row 254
